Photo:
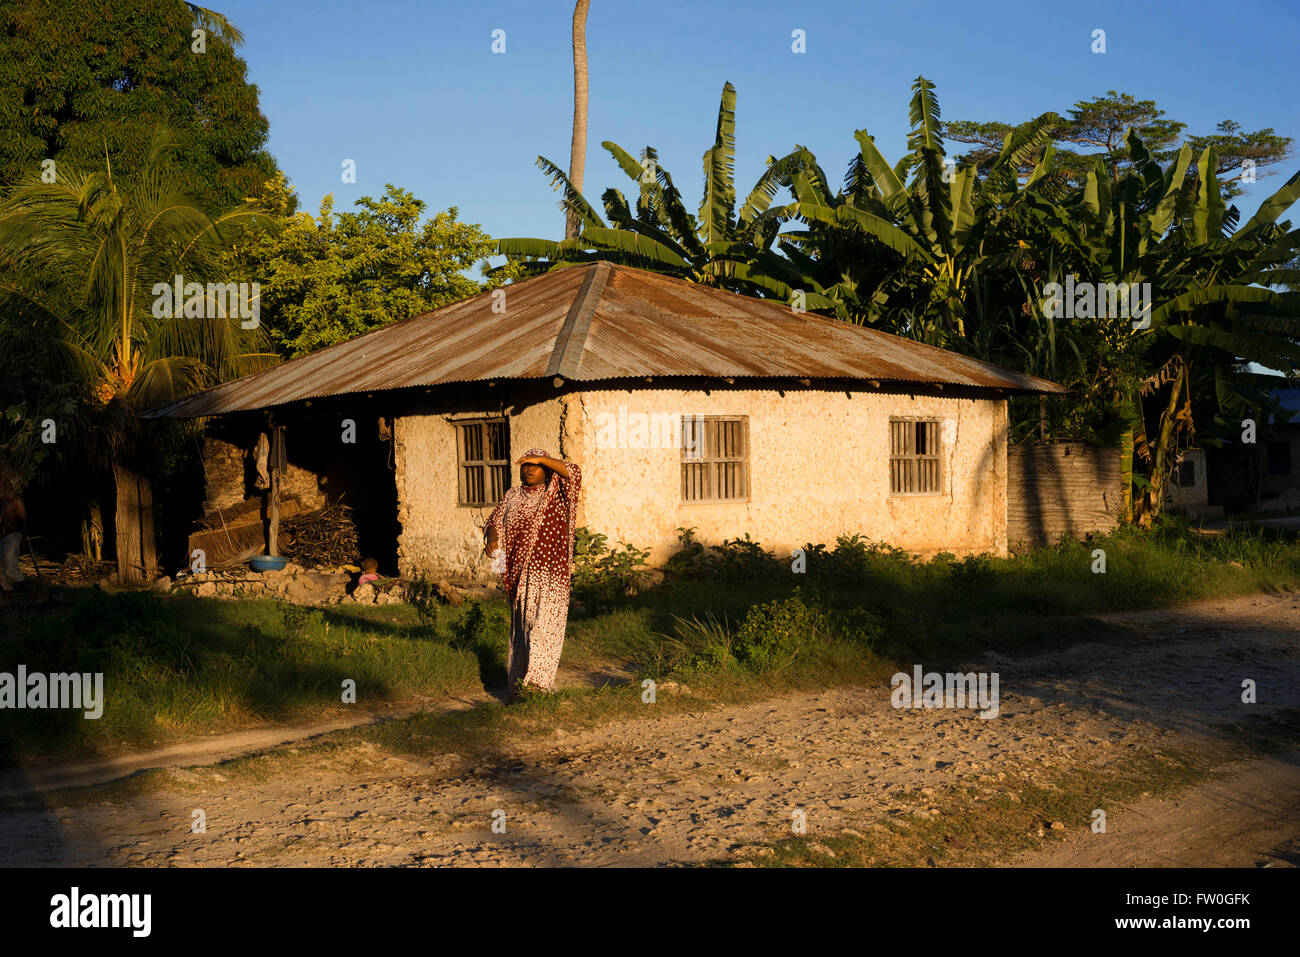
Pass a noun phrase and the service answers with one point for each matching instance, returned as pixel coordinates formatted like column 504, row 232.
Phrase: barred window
column 715, row 458
column 483, row 452
column 915, row 457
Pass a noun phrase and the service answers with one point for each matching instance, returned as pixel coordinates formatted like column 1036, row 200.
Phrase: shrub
column 601, row 575
column 736, row 559
column 423, row 595
column 773, row 634
column 744, row 559
column 857, row 626
column 690, row 561
column 477, row 626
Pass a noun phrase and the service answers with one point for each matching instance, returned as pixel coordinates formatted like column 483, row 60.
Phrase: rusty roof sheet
column 602, row 321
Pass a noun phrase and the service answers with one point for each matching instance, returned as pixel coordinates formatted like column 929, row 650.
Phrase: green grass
column 734, row 623
column 177, row 667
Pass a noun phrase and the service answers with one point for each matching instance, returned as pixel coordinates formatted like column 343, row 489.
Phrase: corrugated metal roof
column 601, row 321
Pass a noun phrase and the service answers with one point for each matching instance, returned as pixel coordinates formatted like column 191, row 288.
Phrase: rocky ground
column 724, row 783
column 305, row 586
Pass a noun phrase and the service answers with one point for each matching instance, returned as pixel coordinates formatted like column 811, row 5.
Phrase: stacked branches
column 324, row 537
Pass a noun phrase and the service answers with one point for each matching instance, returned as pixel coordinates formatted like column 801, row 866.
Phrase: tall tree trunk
column 1152, row 500
column 578, row 149
column 137, row 559
column 1126, row 472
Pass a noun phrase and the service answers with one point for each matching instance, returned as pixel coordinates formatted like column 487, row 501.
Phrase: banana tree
column 1215, row 309
column 722, row 247
column 926, row 219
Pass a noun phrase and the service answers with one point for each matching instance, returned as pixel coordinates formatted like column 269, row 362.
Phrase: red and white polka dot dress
column 534, row 524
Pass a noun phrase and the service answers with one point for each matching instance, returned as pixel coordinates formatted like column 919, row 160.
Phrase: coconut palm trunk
column 578, row 148
column 137, row 558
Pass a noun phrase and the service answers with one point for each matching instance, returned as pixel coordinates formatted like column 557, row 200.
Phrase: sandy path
column 1250, row 818
column 692, row 788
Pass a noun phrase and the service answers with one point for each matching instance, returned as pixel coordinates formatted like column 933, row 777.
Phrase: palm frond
column 923, row 113
column 573, row 200
column 719, row 202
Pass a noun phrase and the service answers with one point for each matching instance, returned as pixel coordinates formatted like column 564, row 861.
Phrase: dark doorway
column 362, row 475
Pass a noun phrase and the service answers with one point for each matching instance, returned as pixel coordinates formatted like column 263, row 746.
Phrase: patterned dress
column 534, row 525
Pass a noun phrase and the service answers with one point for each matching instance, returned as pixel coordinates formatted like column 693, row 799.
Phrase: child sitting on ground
column 369, row 571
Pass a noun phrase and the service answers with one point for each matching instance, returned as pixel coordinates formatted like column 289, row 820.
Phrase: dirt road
column 694, row 788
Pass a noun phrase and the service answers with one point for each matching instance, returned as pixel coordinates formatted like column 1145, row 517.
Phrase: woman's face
column 531, row 474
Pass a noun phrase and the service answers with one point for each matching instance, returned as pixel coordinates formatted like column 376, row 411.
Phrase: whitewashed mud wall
column 819, row 468
column 440, row 537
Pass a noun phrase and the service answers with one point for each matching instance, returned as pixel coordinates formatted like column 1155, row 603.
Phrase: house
column 685, row 405
column 1264, row 471
column 1190, row 491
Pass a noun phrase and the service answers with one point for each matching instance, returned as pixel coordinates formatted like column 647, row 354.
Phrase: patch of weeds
column 423, row 595
column 604, row 575
column 774, row 634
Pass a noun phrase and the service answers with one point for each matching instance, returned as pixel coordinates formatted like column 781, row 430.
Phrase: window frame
column 708, row 457
column 483, row 464
column 936, row 433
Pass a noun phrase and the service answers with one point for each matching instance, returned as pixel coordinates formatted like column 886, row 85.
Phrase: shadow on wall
column 1057, row 489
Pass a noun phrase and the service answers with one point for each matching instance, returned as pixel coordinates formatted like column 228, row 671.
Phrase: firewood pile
column 78, row 569
column 324, row 537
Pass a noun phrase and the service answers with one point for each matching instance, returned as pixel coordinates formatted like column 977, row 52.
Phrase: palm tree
column 84, row 263
column 578, row 148
column 217, row 23
column 1218, row 306
column 1215, row 308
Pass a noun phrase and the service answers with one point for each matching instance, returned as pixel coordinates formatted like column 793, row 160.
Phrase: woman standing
column 533, row 525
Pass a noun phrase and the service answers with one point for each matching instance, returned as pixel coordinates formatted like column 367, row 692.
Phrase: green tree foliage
column 932, row 225
column 85, row 81
column 960, row 253
column 1100, row 126
column 335, row 276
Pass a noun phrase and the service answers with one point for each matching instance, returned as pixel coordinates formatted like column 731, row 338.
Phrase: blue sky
column 413, row 93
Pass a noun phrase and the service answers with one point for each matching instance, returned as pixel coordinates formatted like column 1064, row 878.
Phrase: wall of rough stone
column 819, row 468
column 224, row 477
